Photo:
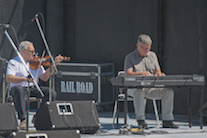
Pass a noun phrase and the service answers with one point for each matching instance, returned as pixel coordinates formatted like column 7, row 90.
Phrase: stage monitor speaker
column 61, row 115
column 8, row 119
column 47, row 134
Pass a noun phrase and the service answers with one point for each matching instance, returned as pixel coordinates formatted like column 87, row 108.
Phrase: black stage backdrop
column 106, row 30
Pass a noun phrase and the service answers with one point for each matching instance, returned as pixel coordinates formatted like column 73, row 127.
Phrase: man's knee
column 139, row 93
column 17, row 90
column 168, row 93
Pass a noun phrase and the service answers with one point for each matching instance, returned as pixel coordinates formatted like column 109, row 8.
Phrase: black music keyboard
column 158, row 81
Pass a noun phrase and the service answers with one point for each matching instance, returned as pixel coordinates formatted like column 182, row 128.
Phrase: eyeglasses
column 31, row 51
column 145, row 48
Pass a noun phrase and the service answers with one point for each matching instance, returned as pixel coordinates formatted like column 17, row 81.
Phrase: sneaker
column 142, row 124
column 169, row 124
column 33, row 119
column 23, row 125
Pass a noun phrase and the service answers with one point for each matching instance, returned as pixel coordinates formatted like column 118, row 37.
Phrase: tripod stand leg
column 28, row 106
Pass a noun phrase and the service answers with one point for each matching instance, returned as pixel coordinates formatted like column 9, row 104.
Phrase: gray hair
column 143, row 38
column 24, row 45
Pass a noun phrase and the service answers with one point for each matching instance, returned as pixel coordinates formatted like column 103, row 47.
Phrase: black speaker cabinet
column 8, row 120
column 48, row 134
column 59, row 115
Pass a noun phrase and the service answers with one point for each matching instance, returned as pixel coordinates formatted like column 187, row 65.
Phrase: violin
column 38, row 61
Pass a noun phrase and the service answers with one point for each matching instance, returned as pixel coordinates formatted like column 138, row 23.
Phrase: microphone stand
column 28, row 103
column 52, row 60
column 30, row 74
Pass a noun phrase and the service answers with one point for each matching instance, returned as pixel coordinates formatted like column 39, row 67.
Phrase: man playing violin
column 17, row 76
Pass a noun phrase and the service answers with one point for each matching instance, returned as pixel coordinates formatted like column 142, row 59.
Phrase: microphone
column 4, row 25
column 33, row 19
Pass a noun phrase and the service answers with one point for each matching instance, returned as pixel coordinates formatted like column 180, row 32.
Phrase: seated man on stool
column 144, row 62
column 17, row 76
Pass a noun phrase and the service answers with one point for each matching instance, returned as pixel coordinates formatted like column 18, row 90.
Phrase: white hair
column 24, row 45
column 143, row 38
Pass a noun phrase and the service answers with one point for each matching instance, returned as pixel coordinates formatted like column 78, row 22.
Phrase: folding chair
column 9, row 97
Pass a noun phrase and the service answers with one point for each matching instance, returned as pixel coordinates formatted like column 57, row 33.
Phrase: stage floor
column 108, row 130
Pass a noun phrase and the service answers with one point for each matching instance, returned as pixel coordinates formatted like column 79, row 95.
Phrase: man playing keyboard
column 144, row 62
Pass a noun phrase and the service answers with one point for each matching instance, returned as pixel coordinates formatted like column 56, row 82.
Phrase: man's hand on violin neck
column 58, row 59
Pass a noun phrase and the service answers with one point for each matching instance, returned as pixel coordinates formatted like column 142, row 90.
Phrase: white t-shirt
column 18, row 69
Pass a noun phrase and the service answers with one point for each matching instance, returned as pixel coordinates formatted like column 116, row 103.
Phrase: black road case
column 84, row 81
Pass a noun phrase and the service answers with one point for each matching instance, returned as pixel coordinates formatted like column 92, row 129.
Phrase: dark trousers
column 20, row 93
